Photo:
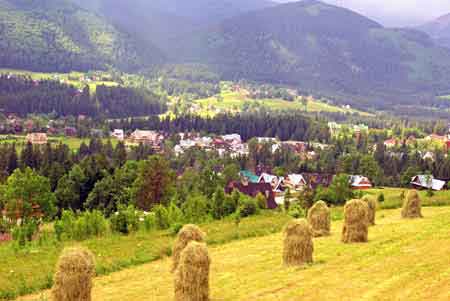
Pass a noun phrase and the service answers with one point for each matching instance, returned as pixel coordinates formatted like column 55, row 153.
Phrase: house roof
column 360, row 181
column 253, row 189
column 249, row 175
column 428, row 182
column 296, row 179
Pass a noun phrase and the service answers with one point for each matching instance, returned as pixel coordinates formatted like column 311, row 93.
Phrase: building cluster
column 275, row 187
column 231, row 144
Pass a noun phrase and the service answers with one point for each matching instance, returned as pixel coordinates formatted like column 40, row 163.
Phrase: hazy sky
column 396, row 12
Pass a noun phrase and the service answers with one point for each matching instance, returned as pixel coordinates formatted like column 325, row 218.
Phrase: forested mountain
column 439, row 30
column 56, row 35
column 164, row 22
column 324, row 48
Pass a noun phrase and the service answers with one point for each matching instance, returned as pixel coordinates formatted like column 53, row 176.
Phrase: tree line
column 22, row 95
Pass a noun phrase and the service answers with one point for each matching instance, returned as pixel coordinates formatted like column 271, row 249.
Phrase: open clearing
column 404, row 260
column 234, row 101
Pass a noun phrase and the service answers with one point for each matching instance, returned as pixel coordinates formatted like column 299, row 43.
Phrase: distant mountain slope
column 56, row 35
column 164, row 22
column 323, row 48
column 439, row 30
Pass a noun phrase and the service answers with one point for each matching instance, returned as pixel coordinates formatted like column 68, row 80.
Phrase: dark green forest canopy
column 56, row 35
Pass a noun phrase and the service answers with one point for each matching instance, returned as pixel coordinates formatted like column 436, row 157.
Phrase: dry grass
column 356, row 226
column 73, row 277
column 192, row 274
column 319, row 219
column 373, row 204
column 187, row 234
column 402, row 261
column 412, row 206
column 298, row 245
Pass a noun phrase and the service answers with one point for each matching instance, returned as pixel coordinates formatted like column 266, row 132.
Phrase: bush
column 149, row 221
column 262, row 201
column 381, row 198
column 218, row 204
column 125, row 220
column 25, row 232
column 161, row 217
column 248, row 206
column 84, row 226
column 229, row 205
column 195, row 209
column 296, row 211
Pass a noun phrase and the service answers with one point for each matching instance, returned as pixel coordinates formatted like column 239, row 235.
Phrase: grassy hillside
column 237, row 102
column 321, row 47
column 56, row 35
column 404, row 260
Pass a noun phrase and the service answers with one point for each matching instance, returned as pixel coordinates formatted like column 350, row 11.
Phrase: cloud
column 396, row 12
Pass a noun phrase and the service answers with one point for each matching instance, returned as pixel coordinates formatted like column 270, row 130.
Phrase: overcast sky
column 396, row 12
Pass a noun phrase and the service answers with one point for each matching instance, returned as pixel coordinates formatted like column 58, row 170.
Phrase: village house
column 275, row 181
column 358, row 182
column 118, row 134
column 37, row 138
column 427, row 182
column 295, row 182
column 70, row 131
column 390, row 143
column 151, row 138
column 253, row 189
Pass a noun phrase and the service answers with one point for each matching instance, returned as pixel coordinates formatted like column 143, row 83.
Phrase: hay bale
column 412, row 206
column 73, row 277
column 187, row 234
column 356, row 224
column 192, row 274
column 298, row 244
column 373, row 204
column 319, row 219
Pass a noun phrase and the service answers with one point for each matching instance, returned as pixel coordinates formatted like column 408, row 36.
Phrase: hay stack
column 192, row 274
column 73, row 277
column 373, row 204
column 356, row 224
column 412, row 206
column 319, row 219
column 187, row 234
column 298, row 244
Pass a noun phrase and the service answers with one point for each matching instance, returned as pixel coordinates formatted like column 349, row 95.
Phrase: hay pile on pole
column 298, row 245
column 73, row 277
column 187, row 234
column 373, row 204
column 319, row 219
column 412, row 206
column 192, row 274
column 356, row 224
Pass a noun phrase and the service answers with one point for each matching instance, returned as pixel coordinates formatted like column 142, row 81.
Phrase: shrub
column 262, row 201
column 248, row 206
column 84, row 226
column 161, row 217
column 174, row 214
column 125, row 220
column 195, row 209
column 381, row 198
column 218, row 204
column 25, row 232
column 149, row 221
column 229, row 205
column 296, row 211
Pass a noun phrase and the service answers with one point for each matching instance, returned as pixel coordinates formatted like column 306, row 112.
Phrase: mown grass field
column 27, row 270
column 403, row 260
column 235, row 101
column 72, row 142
